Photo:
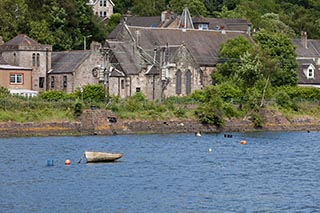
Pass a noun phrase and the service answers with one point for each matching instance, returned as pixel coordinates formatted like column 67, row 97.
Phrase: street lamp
column 85, row 41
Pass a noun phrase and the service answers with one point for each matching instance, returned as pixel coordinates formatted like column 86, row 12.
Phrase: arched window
column 38, row 60
column 188, row 82
column 178, row 82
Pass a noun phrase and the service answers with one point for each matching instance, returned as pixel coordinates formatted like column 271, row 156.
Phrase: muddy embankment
column 101, row 122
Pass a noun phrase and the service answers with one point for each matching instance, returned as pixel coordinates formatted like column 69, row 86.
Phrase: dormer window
column 203, row 26
column 310, row 73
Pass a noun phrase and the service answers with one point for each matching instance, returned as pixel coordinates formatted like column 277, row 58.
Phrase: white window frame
column 16, row 78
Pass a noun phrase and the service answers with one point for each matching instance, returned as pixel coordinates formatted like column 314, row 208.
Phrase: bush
column 78, row 109
column 212, row 116
column 257, row 120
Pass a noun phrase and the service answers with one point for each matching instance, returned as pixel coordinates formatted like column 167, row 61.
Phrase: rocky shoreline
column 101, row 122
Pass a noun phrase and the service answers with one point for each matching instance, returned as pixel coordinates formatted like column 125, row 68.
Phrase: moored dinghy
column 96, row 157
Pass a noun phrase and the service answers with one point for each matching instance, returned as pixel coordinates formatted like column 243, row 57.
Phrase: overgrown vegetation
column 211, row 106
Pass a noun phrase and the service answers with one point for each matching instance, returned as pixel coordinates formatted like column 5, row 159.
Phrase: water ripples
column 274, row 172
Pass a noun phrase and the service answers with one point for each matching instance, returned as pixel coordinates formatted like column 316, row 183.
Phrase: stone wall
column 102, row 122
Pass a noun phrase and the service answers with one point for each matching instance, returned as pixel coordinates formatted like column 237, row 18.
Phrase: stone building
column 22, row 51
column 75, row 69
column 102, row 8
column 308, row 58
column 162, row 62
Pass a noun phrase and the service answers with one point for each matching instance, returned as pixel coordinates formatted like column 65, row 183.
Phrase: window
column 41, row 82
column 101, row 3
column 138, row 89
column 33, row 59
column 178, row 82
column 100, row 13
column 310, row 73
column 14, row 58
column 65, row 78
column 122, row 84
column 104, row 14
column 16, row 78
column 38, row 59
column 203, row 27
column 104, row 3
column 52, row 82
column 188, row 82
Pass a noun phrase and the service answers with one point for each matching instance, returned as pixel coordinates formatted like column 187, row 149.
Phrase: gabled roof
column 304, row 64
column 225, row 23
column 123, row 58
column 203, row 44
column 93, row 2
column 22, row 40
column 312, row 49
column 68, row 61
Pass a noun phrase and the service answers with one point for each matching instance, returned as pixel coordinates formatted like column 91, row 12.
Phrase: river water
column 273, row 172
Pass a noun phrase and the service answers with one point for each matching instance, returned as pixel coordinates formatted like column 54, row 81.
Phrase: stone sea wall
column 101, row 122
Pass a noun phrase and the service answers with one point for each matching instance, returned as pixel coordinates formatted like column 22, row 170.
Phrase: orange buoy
column 67, row 162
column 243, row 142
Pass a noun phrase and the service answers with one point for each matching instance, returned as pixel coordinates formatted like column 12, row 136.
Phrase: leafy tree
column 271, row 22
column 226, row 13
column 122, row 6
column 91, row 93
column 148, row 7
column 229, row 55
column 249, row 71
column 196, row 7
column 280, row 48
column 39, row 30
column 13, row 18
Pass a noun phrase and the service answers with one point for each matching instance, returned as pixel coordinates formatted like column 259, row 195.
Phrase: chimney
column 304, row 39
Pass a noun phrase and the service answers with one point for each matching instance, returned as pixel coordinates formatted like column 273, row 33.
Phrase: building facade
column 22, row 51
column 102, row 8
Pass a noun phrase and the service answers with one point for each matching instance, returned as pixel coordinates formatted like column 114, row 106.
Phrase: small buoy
column 243, row 142
column 49, row 162
column 210, row 150
column 198, row 134
column 67, row 162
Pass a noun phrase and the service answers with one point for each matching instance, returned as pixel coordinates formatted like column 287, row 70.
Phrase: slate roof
column 203, row 44
column 125, row 60
column 155, row 21
column 302, row 78
column 312, row 50
column 68, row 61
column 22, row 40
column 227, row 23
column 25, row 42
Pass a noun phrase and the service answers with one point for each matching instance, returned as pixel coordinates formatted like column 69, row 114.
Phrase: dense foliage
column 64, row 24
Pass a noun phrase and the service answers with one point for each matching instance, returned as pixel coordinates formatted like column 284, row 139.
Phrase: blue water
column 274, row 172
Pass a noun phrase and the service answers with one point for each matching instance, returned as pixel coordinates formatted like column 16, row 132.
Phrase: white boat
column 96, row 157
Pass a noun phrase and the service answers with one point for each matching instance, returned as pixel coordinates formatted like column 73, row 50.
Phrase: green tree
column 226, row 13
column 196, row 7
column 280, row 48
column 229, row 55
column 271, row 22
column 13, row 18
column 148, row 7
